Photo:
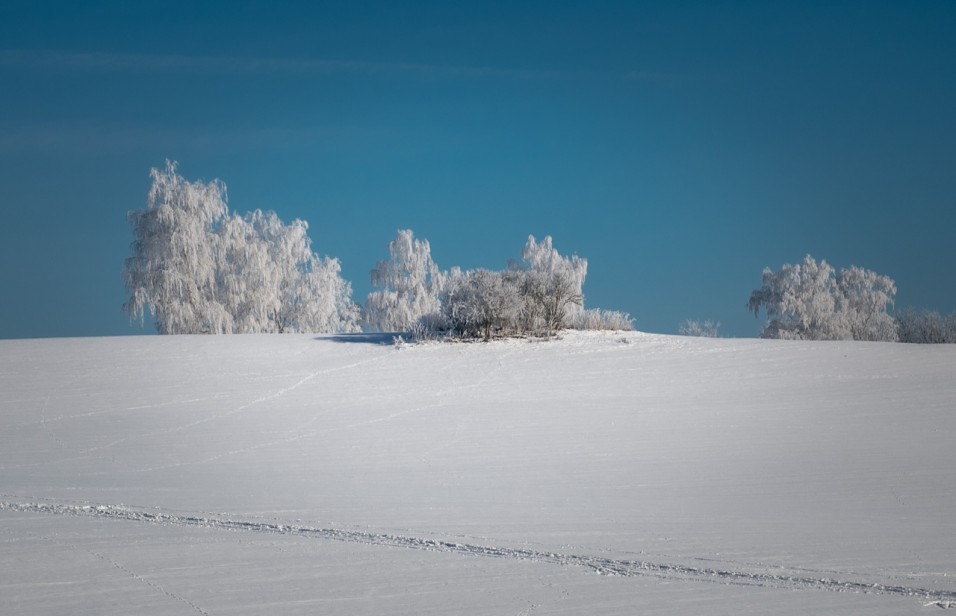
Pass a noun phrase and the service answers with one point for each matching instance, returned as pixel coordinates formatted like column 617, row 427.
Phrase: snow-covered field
column 603, row 473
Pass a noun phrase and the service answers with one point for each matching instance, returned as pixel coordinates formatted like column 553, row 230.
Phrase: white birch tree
column 811, row 301
column 411, row 285
column 198, row 269
column 172, row 270
column 862, row 303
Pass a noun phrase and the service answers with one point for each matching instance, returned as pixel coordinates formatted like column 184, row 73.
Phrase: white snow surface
column 601, row 473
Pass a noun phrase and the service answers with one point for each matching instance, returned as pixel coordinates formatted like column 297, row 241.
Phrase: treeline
column 925, row 326
column 195, row 267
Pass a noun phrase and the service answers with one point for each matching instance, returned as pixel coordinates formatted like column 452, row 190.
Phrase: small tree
column 482, row 303
column 550, row 284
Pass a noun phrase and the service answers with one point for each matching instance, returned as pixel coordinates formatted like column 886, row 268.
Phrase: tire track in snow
column 784, row 579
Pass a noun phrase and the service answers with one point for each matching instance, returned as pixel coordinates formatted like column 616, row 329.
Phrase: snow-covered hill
column 603, row 473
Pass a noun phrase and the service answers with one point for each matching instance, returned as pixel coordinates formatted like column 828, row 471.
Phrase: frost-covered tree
column 862, row 301
column 302, row 291
column 551, row 285
column 925, row 326
column 245, row 275
column 482, row 303
column 811, row 301
column 199, row 269
column 172, row 270
column 411, row 285
column 800, row 301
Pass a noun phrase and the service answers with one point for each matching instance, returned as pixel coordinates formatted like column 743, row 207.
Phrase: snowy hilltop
column 602, row 472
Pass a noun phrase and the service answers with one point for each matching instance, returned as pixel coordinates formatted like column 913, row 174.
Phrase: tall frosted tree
column 199, row 269
column 411, row 285
column 811, row 301
column 302, row 291
column 172, row 270
column 244, row 275
column 862, row 302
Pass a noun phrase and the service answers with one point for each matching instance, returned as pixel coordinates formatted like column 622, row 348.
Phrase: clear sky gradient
column 679, row 146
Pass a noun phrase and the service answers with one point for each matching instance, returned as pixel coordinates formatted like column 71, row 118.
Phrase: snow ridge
column 600, row 565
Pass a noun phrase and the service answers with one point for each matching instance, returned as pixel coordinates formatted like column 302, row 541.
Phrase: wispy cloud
column 166, row 63
column 45, row 59
column 71, row 139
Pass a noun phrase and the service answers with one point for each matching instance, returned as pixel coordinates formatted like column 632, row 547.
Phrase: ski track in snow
column 44, row 420
column 448, row 392
column 296, row 434
column 46, row 426
column 291, row 436
column 442, row 394
column 272, row 396
column 770, row 577
column 84, row 454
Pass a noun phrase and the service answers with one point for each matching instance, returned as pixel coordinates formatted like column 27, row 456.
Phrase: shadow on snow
column 364, row 338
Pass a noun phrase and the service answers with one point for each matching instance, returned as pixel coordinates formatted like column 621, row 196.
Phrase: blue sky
column 679, row 146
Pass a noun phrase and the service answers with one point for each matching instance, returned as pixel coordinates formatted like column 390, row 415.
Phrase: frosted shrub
column 598, row 319
column 707, row 329
column 431, row 327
